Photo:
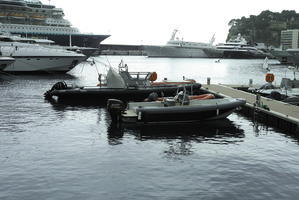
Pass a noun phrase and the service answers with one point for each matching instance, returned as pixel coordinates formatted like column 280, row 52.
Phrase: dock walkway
column 279, row 110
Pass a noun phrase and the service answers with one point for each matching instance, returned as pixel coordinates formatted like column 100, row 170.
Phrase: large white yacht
column 178, row 48
column 32, row 18
column 239, row 48
column 37, row 58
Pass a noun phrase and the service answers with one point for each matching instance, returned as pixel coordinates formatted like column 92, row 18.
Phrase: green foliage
column 266, row 27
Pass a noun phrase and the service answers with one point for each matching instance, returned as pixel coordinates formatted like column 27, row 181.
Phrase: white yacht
column 239, row 48
column 5, row 62
column 178, row 48
column 37, row 58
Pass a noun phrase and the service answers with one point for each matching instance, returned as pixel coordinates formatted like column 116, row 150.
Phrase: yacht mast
column 173, row 34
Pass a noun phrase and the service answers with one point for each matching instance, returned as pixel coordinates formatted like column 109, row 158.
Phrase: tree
column 265, row 27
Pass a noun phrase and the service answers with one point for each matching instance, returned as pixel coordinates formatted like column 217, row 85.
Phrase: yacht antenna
column 108, row 61
column 212, row 39
column 49, row 2
column 173, row 34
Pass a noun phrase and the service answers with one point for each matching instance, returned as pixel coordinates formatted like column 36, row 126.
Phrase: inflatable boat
column 184, row 109
column 287, row 92
column 123, row 85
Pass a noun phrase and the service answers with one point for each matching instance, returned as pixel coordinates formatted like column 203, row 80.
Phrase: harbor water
column 55, row 151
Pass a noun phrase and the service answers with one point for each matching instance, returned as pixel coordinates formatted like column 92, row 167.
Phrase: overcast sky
column 152, row 21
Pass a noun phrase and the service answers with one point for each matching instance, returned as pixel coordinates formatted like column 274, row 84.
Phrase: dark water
column 53, row 151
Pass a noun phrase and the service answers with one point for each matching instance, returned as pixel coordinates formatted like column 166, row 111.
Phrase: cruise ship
column 178, row 48
column 32, row 18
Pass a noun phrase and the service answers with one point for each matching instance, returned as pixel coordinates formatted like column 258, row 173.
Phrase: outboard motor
column 57, row 86
column 169, row 102
column 115, row 107
column 152, row 97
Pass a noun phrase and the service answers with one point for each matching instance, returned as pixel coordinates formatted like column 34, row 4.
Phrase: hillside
column 265, row 27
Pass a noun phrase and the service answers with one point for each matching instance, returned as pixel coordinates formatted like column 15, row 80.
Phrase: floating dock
column 271, row 112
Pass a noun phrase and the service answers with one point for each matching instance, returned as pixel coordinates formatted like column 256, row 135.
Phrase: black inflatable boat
column 123, row 85
column 172, row 110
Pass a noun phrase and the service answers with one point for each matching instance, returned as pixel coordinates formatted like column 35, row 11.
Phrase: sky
column 151, row 22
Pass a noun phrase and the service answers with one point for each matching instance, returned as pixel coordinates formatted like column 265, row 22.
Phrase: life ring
column 202, row 97
column 153, row 76
column 269, row 77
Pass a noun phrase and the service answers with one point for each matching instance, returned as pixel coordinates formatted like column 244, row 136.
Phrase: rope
column 108, row 61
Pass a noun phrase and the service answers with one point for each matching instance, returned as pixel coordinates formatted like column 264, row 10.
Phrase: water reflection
column 181, row 139
column 35, row 77
column 218, row 132
column 261, row 128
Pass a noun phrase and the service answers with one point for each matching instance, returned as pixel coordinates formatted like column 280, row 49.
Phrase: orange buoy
column 153, row 76
column 269, row 77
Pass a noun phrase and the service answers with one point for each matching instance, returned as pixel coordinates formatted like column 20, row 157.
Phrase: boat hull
column 98, row 95
column 80, row 40
column 53, row 64
column 174, row 52
column 186, row 113
column 32, row 58
column 165, row 112
column 239, row 54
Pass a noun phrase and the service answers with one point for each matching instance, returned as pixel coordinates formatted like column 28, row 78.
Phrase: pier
column 119, row 49
column 271, row 112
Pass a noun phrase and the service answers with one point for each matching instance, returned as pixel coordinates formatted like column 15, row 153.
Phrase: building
column 290, row 39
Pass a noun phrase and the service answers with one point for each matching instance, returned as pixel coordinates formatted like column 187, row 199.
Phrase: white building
column 290, row 39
